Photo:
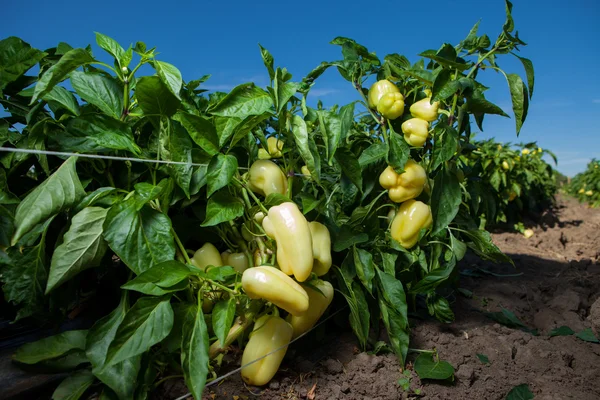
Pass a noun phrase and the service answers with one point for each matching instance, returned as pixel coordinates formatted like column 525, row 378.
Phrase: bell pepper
column 589, row 193
column 499, row 147
column 238, row 261
column 288, row 226
column 416, row 131
column 581, row 191
column 425, row 110
column 505, row 166
column 391, row 105
column 269, row 283
column 274, row 147
column 205, row 256
column 259, row 216
column 321, row 246
column 378, row 89
column 528, row 233
column 512, row 195
column 265, row 177
column 412, row 216
column 305, row 171
column 404, row 186
column 270, row 333
column 390, row 215
column 317, row 304
column 525, row 152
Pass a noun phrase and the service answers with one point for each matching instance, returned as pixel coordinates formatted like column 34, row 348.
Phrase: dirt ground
column 560, row 281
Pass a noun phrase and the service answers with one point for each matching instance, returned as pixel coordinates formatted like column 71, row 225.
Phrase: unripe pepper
column 404, row 186
column 512, row 195
column 269, row 334
column 288, row 226
column 274, row 147
column 425, row 110
column 581, row 191
column 589, row 193
column 378, row 89
column 265, row 177
column 305, row 171
column 505, row 165
column 391, row 105
column 321, row 245
column 416, row 131
column 412, row 216
column 238, row 261
column 269, row 283
column 205, row 256
column 317, row 304
column 525, row 152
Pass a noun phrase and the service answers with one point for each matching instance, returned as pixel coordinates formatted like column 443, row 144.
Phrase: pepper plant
column 247, row 210
column 585, row 186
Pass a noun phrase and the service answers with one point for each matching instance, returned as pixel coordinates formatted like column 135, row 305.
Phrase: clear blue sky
column 221, row 37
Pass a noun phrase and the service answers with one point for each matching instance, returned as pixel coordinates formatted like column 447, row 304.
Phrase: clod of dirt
column 595, row 316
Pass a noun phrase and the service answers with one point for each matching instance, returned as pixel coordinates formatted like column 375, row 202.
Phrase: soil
column 557, row 284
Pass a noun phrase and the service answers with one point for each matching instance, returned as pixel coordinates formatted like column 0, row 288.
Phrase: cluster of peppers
column 303, row 253
column 404, row 188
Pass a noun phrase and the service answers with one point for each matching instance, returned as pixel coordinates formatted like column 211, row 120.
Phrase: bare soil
column 560, row 282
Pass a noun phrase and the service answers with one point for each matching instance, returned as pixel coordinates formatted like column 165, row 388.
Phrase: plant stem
column 181, row 247
column 243, row 185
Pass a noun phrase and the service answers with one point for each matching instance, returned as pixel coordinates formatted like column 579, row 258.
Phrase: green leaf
column 74, row 386
column 223, row 207
column 509, row 319
column 330, row 126
column 16, row 58
column 220, row 172
column 365, row 269
column 446, row 57
column 155, row 98
column 170, row 76
column 113, row 48
column 65, row 99
column 444, row 86
column 445, row 200
column 243, row 100
column 59, row 192
column 433, row 279
column 120, row 377
column 483, row 246
column 519, row 97
column 392, row 302
column 439, row 308
column 350, row 166
column 268, row 61
column 69, row 62
column 359, row 309
column 347, row 120
column 222, row 318
column 389, row 263
column 97, row 133
column 399, row 152
column 283, row 91
column 51, row 347
column 428, row 368
column 588, row 336
column 444, row 146
column 528, row 65
column 562, row 331
column 201, row 130
column 347, row 237
column 140, row 237
column 160, row 279
column 102, row 91
column 6, row 225
column 483, row 358
column 194, row 352
column 372, row 154
column 305, row 145
column 6, row 197
column 479, row 105
column 83, row 247
column 147, row 323
column 177, row 146
column 521, row 392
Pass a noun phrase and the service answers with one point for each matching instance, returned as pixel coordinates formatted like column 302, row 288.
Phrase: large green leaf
column 372, row 154
column 147, row 323
column 113, row 48
column 222, row 318
column 83, row 247
column 74, row 386
column 16, row 58
column 520, row 392
column 428, row 368
column 482, row 244
column 160, row 279
column 399, row 152
column 176, row 146
column 268, row 61
column 51, row 347
column 62, row 97
column 201, row 130
column 120, row 377
column 519, row 97
column 434, row 278
column 59, row 192
column 392, row 303
column 445, row 200
column 330, row 126
column 170, row 76
column 359, row 309
column 69, row 62
column 306, row 147
column 220, row 172
column 350, row 166
column 365, row 268
column 155, row 98
column 141, row 237
column 444, row 147
column 243, row 100
column 100, row 90
column 223, row 207
column 194, row 352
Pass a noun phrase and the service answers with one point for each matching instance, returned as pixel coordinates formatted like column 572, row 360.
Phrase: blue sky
column 221, row 38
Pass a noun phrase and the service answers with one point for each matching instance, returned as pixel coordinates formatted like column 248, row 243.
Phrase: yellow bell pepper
column 269, row 283
column 425, row 110
column 528, row 233
column 512, row 195
column 274, row 147
column 288, row 226
column 412, row 216
column 525, row 152
column 270, row 333
column 391, row 105
column 499, row 147
column 205, row 256
column 589, row 193
column 321, row 246
column 238, row 261
column 582, row 190
column 317, row 304
column 378, row 89
column 265, row 177
column 416, row 131
column 404, row 186
column 505, row 165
